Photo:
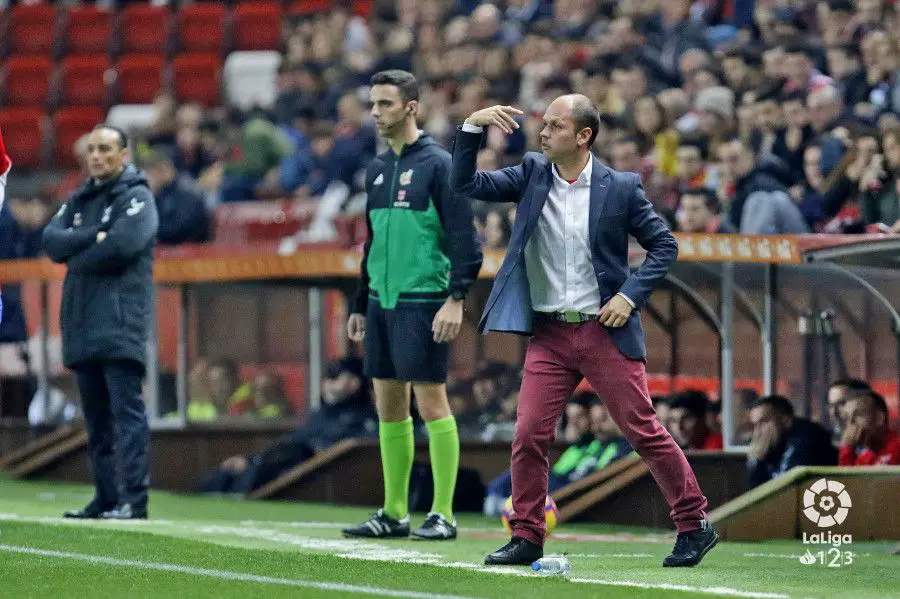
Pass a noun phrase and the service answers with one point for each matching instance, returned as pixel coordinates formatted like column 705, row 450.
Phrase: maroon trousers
column 558, row 356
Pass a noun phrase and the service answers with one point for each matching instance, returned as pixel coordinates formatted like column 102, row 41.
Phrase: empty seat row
column 31, row 136
column 43, row 29
column 93, row 80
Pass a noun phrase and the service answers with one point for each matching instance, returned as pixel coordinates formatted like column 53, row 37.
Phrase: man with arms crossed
column 105, row 234
column 419, row 260
column 565, row 280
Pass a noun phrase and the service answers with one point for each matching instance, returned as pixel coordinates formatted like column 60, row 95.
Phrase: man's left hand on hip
column 615, row 312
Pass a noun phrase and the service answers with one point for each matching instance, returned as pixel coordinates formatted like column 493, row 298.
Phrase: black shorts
column 399, row 343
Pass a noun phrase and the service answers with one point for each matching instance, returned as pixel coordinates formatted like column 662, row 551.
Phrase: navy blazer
column 618, row 208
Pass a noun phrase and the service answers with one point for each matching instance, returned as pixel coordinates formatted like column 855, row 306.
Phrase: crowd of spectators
column 775, row 116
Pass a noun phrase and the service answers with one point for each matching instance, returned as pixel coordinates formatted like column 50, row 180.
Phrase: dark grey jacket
column 106, row 307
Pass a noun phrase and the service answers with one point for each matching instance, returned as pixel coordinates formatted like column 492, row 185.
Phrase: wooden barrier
column 180, row 458
column 51, row 454
column 29, row 450
column 624, row 493
column 774, row 510
column 350, row 472
column 627, row 494
column 15, row 434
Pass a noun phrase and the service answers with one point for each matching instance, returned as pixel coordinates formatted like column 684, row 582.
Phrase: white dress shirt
column 558, row 253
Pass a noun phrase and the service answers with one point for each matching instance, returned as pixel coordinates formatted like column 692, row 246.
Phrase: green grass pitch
column 195, row 547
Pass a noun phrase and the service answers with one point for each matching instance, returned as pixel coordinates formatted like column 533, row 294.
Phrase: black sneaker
column 91, row 511
column 436, row 528
column 690, row 547
column 518, row 552
column 380, row 526
column 125, row 512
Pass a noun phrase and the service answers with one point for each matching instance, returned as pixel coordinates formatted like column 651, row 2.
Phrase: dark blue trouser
column 116, row 421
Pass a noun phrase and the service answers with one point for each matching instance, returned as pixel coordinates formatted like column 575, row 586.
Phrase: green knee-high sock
column 443, row 447
column 397, row 451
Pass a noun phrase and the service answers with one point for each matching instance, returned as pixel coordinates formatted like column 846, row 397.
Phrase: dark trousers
column 116, row 421
column 558, row 356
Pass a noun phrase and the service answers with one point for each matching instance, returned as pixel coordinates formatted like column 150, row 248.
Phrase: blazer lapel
column 538, row 199
column 600, row 181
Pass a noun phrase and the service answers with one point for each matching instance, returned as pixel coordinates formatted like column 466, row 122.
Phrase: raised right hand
column 356, row 328
column 499, row 116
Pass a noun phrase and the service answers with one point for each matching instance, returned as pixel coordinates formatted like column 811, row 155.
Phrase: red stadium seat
column 362, row 8
column 23, row 135
column 257, row 26
column 201, row 27
column 140, row 77
column 69, row 124
column 261, row 220
column 87, row 30
column 198, row 78
column 309, row 7
column 32, row 29
column 83, row 80
column 145, row 28
column 27, row 81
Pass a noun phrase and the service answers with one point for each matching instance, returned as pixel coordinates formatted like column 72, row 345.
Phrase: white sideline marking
column 370, row 551
column 291, row 524
column 682, row 587
column 78, row 522
column 226, row 575
column 794, row 555
column 605, row 555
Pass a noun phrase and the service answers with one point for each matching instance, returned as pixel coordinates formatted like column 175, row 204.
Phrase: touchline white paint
column 226, row 575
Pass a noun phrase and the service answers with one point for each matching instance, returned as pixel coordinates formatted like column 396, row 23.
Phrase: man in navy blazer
column 565, row 281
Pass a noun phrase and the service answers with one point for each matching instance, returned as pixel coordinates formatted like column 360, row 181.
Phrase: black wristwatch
column 458, row 295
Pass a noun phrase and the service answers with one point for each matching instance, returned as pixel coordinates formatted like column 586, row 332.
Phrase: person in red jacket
column 688, row 422
column 868, row 439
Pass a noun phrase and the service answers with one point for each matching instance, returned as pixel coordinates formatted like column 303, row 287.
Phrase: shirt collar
column 584, row 178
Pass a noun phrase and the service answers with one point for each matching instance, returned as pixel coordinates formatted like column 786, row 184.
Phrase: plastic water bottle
column 552, row 566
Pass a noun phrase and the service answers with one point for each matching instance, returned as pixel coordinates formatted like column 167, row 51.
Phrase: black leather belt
column 569, row 316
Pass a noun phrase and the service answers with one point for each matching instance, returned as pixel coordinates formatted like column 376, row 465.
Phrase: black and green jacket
column 421, row 244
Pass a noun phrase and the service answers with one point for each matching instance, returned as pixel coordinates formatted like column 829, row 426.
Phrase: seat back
column 201, row 28
column 87, row 30
column 139, row 77
column 32, row 29
column 145, row 28
column 197, row 78
column 27, row 81
column 83, row 80
column 23, row 134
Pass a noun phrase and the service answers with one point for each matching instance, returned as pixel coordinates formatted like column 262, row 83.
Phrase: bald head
column 570, row 127
column 584, row 114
